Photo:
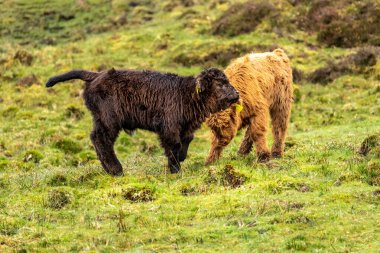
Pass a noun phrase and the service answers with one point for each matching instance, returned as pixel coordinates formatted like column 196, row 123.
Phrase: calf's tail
column 84, row 75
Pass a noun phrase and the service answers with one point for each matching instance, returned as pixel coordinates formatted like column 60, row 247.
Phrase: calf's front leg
column 218, row 143
column 185, row 142
column 172, row 148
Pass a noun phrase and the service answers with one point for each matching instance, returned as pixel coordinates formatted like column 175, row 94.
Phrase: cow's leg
column 258, row 129
column 103, row 139
column 280, row 119
column 172, row 145
column 246, row 145
column 218, row 143
column 185, row 142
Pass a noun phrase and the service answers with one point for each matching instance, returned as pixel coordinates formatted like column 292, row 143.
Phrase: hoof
column 263, row 157
column 174, row 168
column 276, row 154
column 209, row 162
column 116, row 173
column 243, row 153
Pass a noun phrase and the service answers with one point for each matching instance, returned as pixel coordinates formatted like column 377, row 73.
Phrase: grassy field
column 322, row 196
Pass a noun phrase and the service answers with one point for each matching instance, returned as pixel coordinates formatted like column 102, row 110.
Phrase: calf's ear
column 203, row 82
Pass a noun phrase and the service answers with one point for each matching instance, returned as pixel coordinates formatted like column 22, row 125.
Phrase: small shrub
column 86, row 156
column 241, row 18
column 9, row 227
column 277, row 187
column 364, row 57
column 220, row 55
column 193, row 189
column 327, row 74
column 359, row 63
column 354, row 29
column 373, row 172
column 57, row 180
column 298, row 218
column 231, row 178
column 68, row 146
column 369, row 143
column 320, row 14
column 33, row 156
column 74, row 112
column 212, row 176
column 10, row 112
column 223, row 56
column 162, row 41
column 139, row 193
column 298, row 75
column 3, row 163
column 297, row 95
column 28, row 81
column 149, row 148
column 346, row 177
column 3, row 184
column 290, row 142
column 57, row 199
column 297, row 243
column 24, row 57
column 87, row 176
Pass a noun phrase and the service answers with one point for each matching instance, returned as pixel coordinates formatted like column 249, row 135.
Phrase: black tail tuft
column 51, row 82
column 74, row 74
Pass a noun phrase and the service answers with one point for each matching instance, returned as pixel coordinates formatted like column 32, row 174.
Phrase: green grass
column 54, row 196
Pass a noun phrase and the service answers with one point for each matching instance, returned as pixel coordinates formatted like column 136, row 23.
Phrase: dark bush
column 320, row 14
column 359, row 63
column 298, row 75
column 341, row 23
column 365, row 57
column 28, row 80
column 218, row 55
column 327, row 74
column 241, row 18
column 353, row 29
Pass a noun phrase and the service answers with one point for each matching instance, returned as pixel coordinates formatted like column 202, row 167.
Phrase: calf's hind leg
column 257, row 133
column 280, row 120
column 103, row 139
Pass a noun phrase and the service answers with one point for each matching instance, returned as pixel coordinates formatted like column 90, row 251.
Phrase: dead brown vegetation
column 359, row 62
column 241, row 18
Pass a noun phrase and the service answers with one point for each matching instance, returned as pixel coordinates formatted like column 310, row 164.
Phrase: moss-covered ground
column 322, row 196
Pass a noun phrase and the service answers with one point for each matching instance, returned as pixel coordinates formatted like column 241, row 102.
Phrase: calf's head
column 213, row 85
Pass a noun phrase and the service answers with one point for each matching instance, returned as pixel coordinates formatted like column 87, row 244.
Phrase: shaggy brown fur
column 264, row 82
column 170, row 105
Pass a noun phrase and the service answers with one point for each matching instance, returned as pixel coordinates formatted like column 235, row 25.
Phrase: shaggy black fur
column 170, row 105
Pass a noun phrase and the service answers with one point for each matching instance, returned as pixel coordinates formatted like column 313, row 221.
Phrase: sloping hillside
column 323, row 196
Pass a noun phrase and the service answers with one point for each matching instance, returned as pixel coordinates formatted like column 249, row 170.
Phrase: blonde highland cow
column 264, row 81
